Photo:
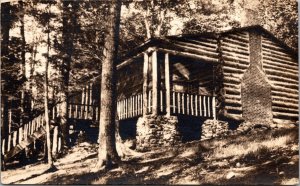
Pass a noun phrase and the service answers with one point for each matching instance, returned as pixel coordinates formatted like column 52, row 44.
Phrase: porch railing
column 181, row 103
column 193, row 104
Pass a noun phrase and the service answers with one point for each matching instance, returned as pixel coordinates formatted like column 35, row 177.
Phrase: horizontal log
column 235, row 108
column 234, row 42
column 204, row 43
column 285, row 99
column 235, row 103
column 130, row 60
column 284, row 121
column 198, row 50
column 286, row 85
column 285, row 110
column 228, row 69
column 237, row 117
column 281, row 93
column 239, row 38
column 266, row 44
column 285, row 104
column 236, row 55
column 205, row 48
column 284, row 54
column 233, row 75
column 235, row 59
column 231, row 85
column 283, row 89
column 278, row 71
column 283, row 114
column 190, row 55
column 208, row 40
column 290, row 68
column 232, row 79
column 229, row 90
column 282, row 79
column 276, row 59
column 273, row 54
column 233, row 97
column 235, row 51
column 236, row 65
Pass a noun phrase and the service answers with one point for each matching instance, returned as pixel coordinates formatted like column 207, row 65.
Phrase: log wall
column 281, row 68
column 234, row 48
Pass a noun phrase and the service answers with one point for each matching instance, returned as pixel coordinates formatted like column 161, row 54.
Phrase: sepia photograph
column 159, row 92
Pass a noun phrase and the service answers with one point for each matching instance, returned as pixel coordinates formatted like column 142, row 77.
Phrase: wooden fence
column 29, row 132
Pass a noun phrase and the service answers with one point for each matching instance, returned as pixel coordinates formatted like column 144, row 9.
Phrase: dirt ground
column 190, row 163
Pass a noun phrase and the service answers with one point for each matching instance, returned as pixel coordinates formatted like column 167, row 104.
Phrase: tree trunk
column 48, row 141
column 5, row 28
column 69, row 22
column 22, row 60
column 107, row 153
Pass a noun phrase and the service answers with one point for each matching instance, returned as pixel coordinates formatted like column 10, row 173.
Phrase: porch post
column 155, row 91
column 214, row 94
column 145, row 83
column 167, row 82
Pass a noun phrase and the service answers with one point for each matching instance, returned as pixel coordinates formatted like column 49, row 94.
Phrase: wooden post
column 82, row 104
column 9, row 121
column 187, row 104
column 174, row 102
column 55, row 140
column 196, row 103
column 183, row 103
column 20, row 135
column 155, row 91
column 15, row 134
column 204, row 104
column 168, row 85
column 214, row 107
column 86, row 102
column 3, row 146
column 145, row 82
column 200, row 105
column 179, row 102
column 208, row 106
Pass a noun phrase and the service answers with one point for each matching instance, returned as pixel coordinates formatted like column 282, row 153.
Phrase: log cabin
column 167, row 88
column 240, row 75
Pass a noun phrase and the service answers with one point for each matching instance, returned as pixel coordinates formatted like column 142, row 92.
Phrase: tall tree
column 5, row 28
column 68, row 31
column 107, row 153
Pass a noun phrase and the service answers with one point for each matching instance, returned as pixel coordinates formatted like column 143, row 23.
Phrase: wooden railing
column 19, row 137
column 181, row 103
column 193, row 104
column 130, row 107
column 81, row 111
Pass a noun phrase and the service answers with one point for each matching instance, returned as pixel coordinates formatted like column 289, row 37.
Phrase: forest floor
column 258, row 157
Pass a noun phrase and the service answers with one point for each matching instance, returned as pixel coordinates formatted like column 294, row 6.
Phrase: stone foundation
column 213, row 128
column 156, row 131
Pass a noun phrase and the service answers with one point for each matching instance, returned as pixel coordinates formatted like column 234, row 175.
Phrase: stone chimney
column 249, row 15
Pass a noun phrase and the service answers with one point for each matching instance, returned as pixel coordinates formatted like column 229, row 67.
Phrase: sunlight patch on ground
column 142, row 170
column 247, row 147
column 292, row 181
column 187, row 153
column 165, row 170
column 155, row 159
column 11, row 176
column 188, row 181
